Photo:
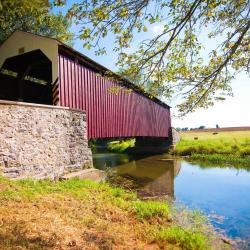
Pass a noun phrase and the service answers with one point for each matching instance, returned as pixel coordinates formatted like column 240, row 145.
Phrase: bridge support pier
column 151, row 145
column 156, row 145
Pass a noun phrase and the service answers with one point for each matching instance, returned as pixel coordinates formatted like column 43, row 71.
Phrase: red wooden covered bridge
column 43, row 70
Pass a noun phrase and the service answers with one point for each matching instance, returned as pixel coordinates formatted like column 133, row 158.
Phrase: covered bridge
column 43, row 70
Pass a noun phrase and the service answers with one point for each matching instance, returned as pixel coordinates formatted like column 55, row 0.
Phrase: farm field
column 222, row 146
column 226, row 135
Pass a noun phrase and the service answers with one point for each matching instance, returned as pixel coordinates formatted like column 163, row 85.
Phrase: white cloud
column 157, row 29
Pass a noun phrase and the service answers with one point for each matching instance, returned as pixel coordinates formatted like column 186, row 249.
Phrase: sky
column 233, row 112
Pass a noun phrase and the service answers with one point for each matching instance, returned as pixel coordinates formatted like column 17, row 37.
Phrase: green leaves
column 33, row 16
column 171, row 62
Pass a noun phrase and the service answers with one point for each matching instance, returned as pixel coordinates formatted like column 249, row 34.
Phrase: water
column 222, row 193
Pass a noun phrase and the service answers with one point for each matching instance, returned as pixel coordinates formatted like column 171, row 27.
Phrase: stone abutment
column 40, row 141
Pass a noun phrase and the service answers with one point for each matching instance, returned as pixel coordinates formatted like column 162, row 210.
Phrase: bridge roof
column 98, row 67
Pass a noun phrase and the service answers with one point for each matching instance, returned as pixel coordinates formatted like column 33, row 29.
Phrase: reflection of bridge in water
column 157, row 175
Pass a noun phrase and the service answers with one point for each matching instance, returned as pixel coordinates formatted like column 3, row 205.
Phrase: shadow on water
column 221, row 193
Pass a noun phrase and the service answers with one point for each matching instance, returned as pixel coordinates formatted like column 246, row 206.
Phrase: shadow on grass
column 16, row 238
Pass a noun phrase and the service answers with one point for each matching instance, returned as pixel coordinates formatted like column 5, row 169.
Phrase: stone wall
column 41, row 141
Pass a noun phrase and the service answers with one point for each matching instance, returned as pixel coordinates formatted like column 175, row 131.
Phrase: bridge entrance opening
column 27, row 78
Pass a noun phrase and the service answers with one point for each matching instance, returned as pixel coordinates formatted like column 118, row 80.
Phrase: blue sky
column 235, row 111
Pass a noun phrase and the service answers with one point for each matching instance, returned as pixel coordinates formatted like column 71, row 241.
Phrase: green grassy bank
column 231, row 147
column 77, row 214
column 121, row 146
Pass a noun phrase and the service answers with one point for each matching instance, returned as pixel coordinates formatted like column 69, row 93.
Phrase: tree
column 33, row 16
column 202, row 127
column 172, row 62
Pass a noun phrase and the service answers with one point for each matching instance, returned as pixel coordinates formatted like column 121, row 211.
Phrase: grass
column 185, row 239
column 225, row 147
column 76, row 214
column 223, row 160
column 147, row 210
column 121, row 146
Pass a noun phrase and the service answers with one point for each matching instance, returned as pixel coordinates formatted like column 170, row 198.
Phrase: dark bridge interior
column 27, row 78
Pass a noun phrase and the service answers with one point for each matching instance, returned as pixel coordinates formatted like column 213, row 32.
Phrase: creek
column 222, row 194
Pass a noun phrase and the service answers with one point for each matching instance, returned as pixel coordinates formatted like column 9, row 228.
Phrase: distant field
column 231, row 146
column 228, row 129
column 222, row 135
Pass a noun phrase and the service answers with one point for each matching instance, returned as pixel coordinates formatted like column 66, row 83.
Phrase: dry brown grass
column 68, row 217
column 85, row 215
column 67, row 223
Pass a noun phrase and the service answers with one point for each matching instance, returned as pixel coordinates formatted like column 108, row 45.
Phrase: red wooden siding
column 109, row 114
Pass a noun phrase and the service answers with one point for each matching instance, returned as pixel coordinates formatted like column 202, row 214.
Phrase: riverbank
column 77, row 214
column 226, row 147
